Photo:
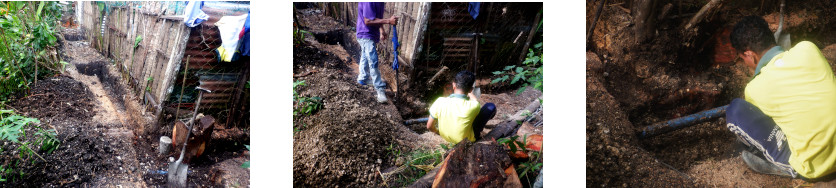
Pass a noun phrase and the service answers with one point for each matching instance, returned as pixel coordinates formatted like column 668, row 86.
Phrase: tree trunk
column 643, row 11
column 510, row 126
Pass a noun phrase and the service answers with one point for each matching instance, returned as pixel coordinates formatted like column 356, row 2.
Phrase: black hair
column 464, row 81
column 752, row 33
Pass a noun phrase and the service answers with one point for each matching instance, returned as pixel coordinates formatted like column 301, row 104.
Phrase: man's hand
column 383, row 34
column 393, row 20
column 431, row 125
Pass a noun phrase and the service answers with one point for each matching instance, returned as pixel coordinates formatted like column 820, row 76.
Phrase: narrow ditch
column 110, row 83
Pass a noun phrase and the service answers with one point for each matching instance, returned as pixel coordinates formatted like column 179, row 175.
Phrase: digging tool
column 783, row 39
column 395, row 65
column 178, row 170
column 682, row 122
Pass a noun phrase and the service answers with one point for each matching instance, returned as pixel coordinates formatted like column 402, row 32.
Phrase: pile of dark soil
column 57, row 100
column 66, row 105
column 345, row 143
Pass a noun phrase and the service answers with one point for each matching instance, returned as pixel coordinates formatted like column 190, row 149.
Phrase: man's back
column 455, row 116
column 797, row 90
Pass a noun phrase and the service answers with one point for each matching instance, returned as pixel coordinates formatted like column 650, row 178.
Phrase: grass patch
column 418, row 163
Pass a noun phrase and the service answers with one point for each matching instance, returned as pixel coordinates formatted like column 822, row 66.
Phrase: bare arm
column 472, row 96
column 380, row 22
column 431, row 125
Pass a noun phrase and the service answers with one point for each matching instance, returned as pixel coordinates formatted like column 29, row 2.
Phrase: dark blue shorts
column 758, row 131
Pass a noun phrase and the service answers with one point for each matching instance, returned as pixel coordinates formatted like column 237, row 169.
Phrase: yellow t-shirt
column 455, row 115
column 798, row 90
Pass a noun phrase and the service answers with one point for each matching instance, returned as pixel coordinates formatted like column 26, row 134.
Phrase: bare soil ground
column 632, row 84
column 346, row 143
column 102, row 129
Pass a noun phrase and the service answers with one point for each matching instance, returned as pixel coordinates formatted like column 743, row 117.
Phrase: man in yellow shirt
column 788, row 117
column 458, row 116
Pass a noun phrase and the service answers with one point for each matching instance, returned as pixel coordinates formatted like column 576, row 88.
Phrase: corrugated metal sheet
column 220, row 76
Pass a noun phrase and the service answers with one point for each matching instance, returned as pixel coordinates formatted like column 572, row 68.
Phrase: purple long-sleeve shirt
column 371, row 11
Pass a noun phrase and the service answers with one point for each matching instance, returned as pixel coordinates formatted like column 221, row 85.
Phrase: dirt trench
column 632, row 84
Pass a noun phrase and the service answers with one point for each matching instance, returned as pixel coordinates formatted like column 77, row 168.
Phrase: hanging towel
column 194, row 16
column 230, row 28
column 473, row 8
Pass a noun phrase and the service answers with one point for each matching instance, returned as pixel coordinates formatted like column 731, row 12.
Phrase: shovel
column 783, row 39
column 178, row 170
column 395, row 64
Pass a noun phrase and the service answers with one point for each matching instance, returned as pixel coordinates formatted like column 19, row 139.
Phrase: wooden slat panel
column 156, row 43
column 170, row 39
column 408, row 40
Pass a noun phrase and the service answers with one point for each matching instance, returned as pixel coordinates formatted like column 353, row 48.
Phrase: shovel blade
column 177, row 173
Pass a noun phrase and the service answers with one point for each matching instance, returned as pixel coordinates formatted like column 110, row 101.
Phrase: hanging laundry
column 473, row 8
column 230, row 28
column 243, row 47
column 194, row 16
column 246, row 26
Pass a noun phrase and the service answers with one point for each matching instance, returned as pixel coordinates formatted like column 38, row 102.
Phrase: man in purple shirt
column 370, row 30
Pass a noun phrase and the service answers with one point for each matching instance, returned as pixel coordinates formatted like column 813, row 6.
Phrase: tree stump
column 201, row 134
column 482, row 164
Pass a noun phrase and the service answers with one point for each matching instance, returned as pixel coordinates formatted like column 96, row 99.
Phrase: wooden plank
column 145, row 44
column 149, row 65
column 410, row 44
column 407, row 30
column 403, row 22
column 172, row 66
column 424, row 12
column 167, row 44
column 138, row 51
column 132, row 22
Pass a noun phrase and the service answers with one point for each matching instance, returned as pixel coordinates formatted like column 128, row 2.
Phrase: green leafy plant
column 137, row 41
column 304, row 105
column 13, row 128
column 513, row 144
column 246, row 164
column 308, row 105
column 27, row 43
column 393, row 150
column 529, row 74
column 446, row 146
column 148, row 82
column 298, row 35
column 531, row 166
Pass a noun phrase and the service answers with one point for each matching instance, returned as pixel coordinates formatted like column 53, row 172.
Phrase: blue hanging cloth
column 395, row 47
column 193, row 15
column 473, row 8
